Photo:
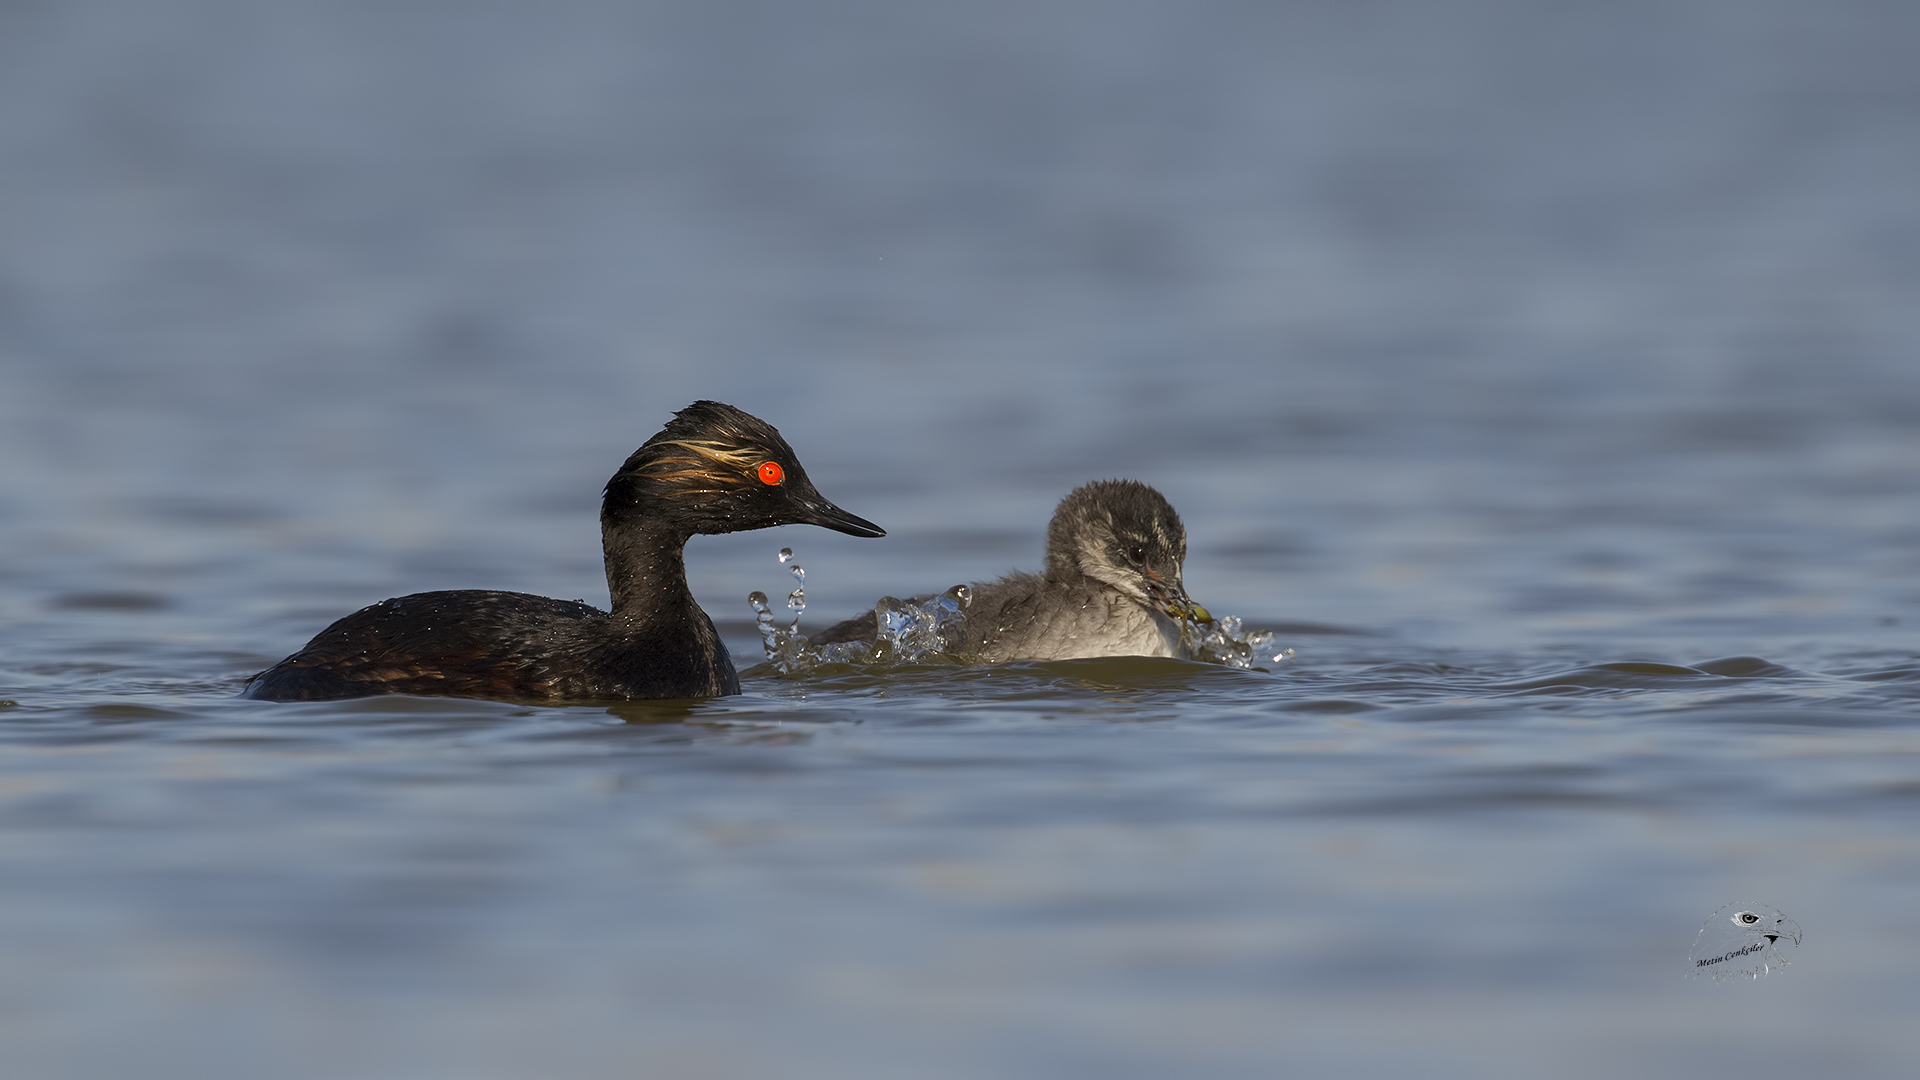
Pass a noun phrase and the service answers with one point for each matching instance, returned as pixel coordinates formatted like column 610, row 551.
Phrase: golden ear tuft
column 740, row 457
column 707, row 466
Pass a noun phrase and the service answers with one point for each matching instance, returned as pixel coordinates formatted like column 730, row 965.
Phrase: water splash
column 797, row 599
column 916, row 631
column 787, row 649
column 908, row 631
column 1223, row 641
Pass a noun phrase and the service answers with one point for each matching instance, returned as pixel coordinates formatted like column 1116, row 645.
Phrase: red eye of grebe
column 771, row 473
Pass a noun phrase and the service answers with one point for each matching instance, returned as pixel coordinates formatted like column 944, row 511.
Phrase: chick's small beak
column 1171, row 598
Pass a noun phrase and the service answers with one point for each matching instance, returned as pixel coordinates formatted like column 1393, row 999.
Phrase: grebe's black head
column 1125, row 534
column 715, row 469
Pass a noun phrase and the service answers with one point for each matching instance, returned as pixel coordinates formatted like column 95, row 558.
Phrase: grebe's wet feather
column 712, row 469
column 1111, row 588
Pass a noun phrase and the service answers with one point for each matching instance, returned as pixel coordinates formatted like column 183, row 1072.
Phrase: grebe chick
column 1111, row 588
column 712, row 469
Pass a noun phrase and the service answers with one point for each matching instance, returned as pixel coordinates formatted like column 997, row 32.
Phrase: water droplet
column 786, row 648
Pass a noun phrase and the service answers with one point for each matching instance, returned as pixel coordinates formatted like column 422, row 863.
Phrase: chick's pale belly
column 1098, row 625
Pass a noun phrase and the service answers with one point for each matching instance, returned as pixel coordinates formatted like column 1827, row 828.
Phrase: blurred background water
column 1546, row 375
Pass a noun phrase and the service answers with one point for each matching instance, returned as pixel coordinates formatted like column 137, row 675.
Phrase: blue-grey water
column 1547, row 376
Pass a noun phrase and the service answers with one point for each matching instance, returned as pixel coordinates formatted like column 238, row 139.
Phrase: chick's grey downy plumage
column 1114, row 553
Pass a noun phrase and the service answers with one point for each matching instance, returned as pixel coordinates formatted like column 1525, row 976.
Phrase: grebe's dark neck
column 646, row 565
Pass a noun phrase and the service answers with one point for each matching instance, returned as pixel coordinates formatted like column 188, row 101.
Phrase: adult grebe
column 712, row 469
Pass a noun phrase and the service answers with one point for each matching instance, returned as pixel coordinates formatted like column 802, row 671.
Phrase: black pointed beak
column 813, row 509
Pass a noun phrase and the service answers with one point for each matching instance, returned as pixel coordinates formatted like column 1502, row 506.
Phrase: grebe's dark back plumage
column 712, row 469
column 1112, row 586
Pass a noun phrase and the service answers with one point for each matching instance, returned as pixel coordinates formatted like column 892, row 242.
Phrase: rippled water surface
column 1548, row 380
